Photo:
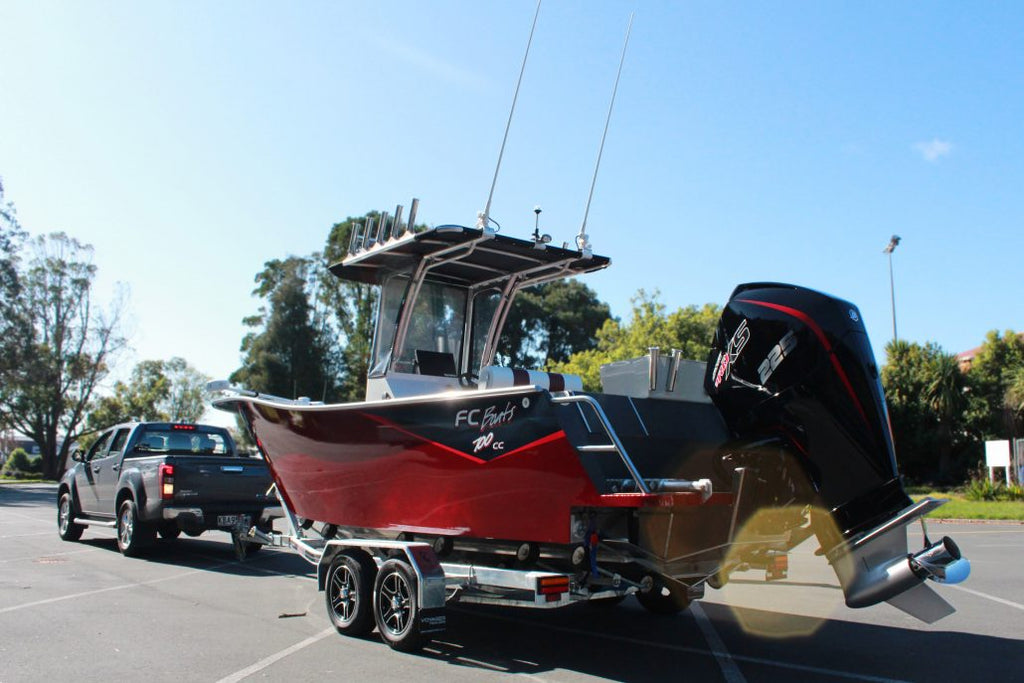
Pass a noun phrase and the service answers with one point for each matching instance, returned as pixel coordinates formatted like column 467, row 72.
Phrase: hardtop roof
column 486, row 257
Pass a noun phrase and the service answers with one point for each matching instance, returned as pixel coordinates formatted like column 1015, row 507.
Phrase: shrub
column 19, row 465
column 980, row 488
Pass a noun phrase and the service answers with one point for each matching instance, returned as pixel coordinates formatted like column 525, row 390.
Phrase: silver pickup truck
column 156, row 477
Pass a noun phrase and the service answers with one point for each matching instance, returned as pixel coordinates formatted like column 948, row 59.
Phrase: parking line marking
column 267, row 661
column 28, row 517
column 62, row 598
column 38, row 533
column 806, row 668
column 730, row 671
column 993, row 598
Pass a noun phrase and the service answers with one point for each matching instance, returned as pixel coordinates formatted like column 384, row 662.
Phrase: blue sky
column 190, row 142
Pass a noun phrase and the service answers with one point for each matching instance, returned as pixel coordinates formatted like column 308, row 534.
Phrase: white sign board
column 997, row 453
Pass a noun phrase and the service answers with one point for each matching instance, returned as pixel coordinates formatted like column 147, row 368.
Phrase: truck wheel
column 66, row 527
column 348, row 593
column 132, row 535
column 169, row 532
column 663, row 600
column 396, row 606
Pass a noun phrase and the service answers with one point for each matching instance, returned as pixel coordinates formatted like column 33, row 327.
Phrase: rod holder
column 654, row 355
column 673, row 372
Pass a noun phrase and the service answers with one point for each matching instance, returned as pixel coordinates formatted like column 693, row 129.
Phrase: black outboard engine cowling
column 793, row 363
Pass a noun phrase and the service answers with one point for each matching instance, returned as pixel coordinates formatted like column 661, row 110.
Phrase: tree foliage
column 550, row 322
column 994, row 375
column 287, row 353
column 66, row 351
column 929, row 401
column 157, row 391
column 689, row 329
column 14, row 330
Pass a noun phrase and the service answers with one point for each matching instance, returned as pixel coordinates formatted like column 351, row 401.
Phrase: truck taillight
column 167, row 481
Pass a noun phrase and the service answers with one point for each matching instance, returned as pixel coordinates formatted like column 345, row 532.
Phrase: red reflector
column 553, row 585
column 551, row 597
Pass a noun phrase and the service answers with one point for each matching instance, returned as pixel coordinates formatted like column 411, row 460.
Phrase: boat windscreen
column 437, row 324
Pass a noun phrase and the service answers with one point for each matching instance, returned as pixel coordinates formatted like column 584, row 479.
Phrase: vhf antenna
column 582, row 239
column 484, row 217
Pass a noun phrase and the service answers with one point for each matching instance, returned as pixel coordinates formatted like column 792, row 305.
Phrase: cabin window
column 437, row 324
column 485, row 305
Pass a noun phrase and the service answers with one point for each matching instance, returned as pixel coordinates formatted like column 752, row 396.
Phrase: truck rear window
column 183, row 442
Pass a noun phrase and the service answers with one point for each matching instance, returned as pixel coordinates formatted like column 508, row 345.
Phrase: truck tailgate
column 219, row 480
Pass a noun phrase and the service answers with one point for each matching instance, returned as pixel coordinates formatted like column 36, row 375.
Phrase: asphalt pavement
column 190, row 611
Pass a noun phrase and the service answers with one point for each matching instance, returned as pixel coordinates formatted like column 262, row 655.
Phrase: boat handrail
column 616, row 444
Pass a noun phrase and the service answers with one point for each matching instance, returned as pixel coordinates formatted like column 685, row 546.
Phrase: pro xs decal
column 723, row 368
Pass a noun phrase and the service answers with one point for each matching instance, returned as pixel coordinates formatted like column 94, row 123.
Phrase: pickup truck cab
column 144, row 478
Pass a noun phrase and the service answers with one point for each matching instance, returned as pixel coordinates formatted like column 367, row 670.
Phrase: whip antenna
column 484, row 217
column 582, row 239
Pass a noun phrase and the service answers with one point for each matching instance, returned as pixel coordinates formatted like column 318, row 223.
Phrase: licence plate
column 227, row 520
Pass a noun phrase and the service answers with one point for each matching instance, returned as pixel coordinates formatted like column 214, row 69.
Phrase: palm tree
column 944, row 394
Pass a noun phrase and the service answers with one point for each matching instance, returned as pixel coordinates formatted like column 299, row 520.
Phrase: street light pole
column 891, row 247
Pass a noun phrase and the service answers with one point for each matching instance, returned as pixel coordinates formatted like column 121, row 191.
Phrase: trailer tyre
column 348, row 593
column 66, row 527
column 133, row 536
column 664, row 600
column 396, row 606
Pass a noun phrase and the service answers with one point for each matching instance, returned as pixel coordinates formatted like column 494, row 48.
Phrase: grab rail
column 615, row 446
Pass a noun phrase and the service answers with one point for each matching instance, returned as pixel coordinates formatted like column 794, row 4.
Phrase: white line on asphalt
column 830, row 673
column 47, row 555
column 28, row 517
column 267, row 661
column 993, row 598
column 730, row 671
column 38, row 533
column 98, row 591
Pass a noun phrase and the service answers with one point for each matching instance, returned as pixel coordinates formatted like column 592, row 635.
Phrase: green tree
column 351, row 306
column 161, row 391
column 287, row 353
column 550, row 322
column 689, row 329
column 992, row 374
column 928, row 399
column 14, row 330
column 67, row 353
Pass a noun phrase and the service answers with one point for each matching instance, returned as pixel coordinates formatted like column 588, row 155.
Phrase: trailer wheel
column 348, row 593
column 396, row 606
column 664, row 600
column 66, row 527
column 132, row 535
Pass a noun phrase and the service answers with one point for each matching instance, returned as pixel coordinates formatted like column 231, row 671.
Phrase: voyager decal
column 776, row 356
column 723, row 367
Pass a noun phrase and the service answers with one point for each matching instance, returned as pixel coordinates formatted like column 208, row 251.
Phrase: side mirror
column 78, row 455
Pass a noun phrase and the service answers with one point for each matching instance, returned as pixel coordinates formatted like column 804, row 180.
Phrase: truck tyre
column 396, row 606
column 132, row 535
column 66, row 527
column 348, row 593
column 664, row 600
column 169, row 531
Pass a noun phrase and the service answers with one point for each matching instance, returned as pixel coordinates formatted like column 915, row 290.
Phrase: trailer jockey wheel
column 348, row 593
column 396, row 606
column 662, row 598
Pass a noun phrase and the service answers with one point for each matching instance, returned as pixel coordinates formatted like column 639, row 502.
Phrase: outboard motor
column 796, row 365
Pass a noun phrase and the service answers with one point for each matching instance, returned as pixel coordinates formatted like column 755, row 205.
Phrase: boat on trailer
column 457, row 478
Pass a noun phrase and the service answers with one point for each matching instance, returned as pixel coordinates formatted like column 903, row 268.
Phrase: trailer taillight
column 553, row 585
column 166, row 481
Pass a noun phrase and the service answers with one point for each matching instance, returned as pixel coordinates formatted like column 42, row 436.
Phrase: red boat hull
column 483, row 467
